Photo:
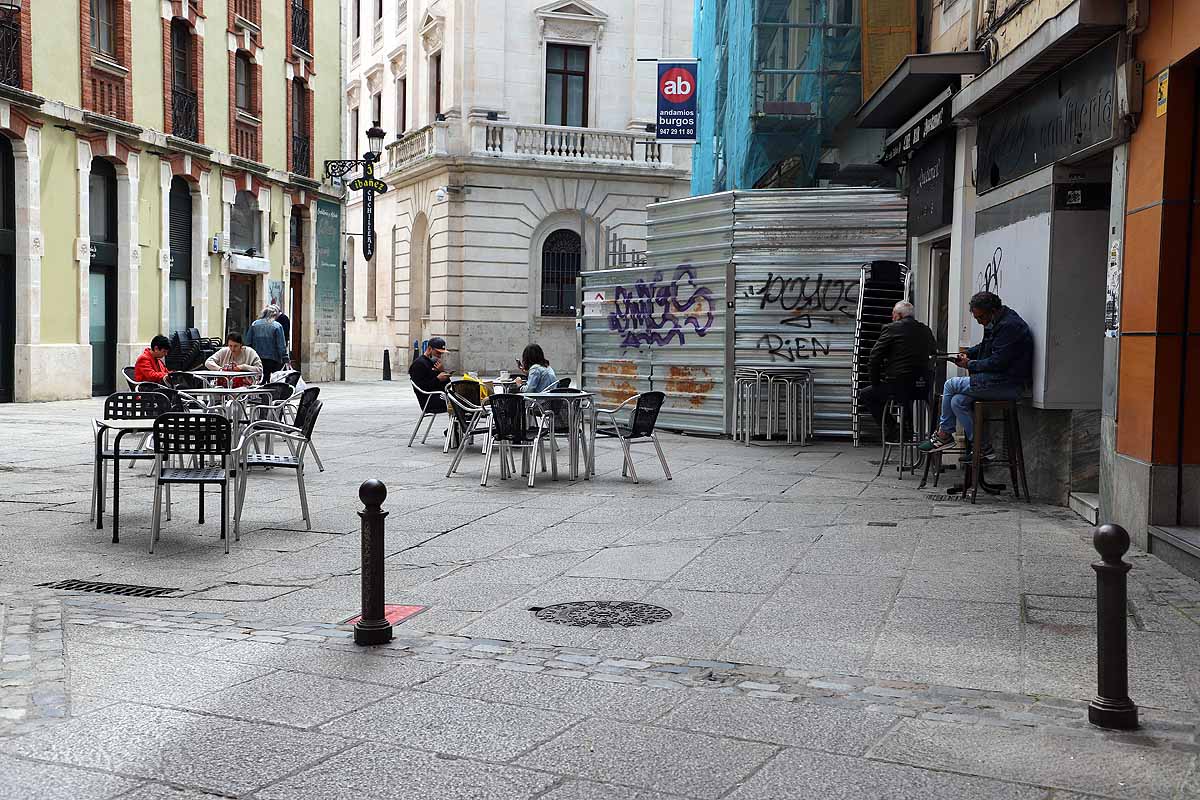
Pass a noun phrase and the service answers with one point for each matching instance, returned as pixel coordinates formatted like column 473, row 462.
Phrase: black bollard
column 387, row 365
column 1112, row 707
column 372, row 627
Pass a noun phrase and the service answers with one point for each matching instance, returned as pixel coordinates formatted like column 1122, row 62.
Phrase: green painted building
column 160, row 168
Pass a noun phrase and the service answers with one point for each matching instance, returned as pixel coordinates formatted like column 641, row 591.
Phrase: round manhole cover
column 602, row 614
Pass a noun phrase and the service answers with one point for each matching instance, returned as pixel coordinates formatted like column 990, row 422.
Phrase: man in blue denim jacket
column 1000, row 368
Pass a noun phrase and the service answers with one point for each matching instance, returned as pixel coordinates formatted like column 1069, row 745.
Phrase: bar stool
column 1014, row 454
column 914, row 408
column 916, row 413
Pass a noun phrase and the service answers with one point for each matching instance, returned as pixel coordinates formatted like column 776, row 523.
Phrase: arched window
column 561, row 257
column 245, row 224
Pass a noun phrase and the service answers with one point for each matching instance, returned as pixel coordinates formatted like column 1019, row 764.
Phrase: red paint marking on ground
column 394, row 614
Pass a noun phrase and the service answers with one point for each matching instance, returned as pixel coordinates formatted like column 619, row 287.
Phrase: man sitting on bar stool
column 900, row 363
column 1000, row 368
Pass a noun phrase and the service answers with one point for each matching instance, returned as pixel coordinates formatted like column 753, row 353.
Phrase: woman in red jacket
column 150, row 365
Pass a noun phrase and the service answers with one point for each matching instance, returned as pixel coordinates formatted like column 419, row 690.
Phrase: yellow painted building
column 159, row 172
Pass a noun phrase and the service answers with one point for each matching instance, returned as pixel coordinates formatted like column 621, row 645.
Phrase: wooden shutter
column 889, row 33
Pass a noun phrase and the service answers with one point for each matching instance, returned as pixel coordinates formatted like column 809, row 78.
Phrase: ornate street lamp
column 368, row 183
column 10, row 7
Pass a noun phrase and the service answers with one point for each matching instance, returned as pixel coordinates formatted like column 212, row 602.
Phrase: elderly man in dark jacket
column 1000, row 368
column 900, row 361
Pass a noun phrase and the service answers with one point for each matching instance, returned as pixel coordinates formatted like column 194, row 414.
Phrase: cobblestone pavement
column 833, row 635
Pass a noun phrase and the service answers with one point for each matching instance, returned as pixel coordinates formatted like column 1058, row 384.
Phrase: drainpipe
column 973, row 25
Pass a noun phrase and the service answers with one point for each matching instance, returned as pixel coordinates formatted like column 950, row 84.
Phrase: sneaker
column 987, row 456
column 937, row 443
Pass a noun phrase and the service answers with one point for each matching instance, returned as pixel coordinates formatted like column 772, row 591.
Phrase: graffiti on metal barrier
column 660, row 311
column 806, row 294
column 792, row 348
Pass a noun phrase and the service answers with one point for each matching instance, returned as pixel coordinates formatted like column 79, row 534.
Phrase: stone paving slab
column 683, row 763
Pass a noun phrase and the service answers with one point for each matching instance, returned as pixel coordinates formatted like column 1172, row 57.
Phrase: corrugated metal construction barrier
column 747, row 278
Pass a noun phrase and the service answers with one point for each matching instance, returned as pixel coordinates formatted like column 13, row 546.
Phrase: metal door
column 102, row 276
column 180, row 288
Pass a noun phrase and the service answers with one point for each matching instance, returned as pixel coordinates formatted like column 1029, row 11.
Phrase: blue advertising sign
column 676, row 101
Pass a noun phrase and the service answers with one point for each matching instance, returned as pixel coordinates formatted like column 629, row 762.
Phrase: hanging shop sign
column 920, row 132
column 677, row 94
column 930, row 185
column 1070, row 114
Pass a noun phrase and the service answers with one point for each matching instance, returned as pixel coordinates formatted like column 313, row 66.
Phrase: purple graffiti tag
column 658, row 312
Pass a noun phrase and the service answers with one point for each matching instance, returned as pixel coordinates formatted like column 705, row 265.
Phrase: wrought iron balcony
column 300, row 26
column 301, row 160
column 185, row 122
column 10, row 52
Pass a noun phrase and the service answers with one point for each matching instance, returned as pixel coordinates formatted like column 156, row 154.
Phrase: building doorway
column 241, row 303
column 8, row 283
column 102, row 276
column 295, row 308
column 179, row 291
column 939, row 304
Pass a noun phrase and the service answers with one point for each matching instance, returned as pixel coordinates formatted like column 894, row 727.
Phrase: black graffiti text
column 792, row 348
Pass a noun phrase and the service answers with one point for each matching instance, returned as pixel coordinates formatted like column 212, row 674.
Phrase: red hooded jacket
column 149, row 368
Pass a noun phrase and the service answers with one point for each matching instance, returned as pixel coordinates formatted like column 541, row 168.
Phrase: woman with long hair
column 541, row 375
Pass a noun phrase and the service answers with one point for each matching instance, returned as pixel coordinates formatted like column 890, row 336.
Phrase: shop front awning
column 914, row 83
column 1059, row 41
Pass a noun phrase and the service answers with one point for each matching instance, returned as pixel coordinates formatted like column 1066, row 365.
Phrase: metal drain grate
column 881, row 524
column 602, row 614
column 123, row 589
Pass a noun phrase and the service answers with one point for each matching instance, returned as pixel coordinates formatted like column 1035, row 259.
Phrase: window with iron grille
column 561, row 257
column 301, row 137
column 10, row 50
column 184, row 98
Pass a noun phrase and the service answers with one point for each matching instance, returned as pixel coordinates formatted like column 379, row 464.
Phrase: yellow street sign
column 1162, row 93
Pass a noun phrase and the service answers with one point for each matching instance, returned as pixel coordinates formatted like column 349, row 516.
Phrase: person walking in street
column 265, row 337
column 429, row 374
column 286, row 324
column 537, row 367
column 901, row 361
column 1000, row 368
column 150, row 365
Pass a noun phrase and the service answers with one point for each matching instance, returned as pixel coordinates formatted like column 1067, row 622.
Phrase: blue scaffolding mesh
column 777, row 78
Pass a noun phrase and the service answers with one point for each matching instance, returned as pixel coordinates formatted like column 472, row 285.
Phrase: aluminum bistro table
column 236, row 396
column 122, row 427
column 575, row 418
column 211, row 376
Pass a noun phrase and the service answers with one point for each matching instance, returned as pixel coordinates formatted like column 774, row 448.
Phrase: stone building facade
column 1051, row 151
column 516, row 136
column 140, row 196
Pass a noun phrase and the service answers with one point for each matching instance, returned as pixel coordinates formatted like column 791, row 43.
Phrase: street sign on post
column 677, row 94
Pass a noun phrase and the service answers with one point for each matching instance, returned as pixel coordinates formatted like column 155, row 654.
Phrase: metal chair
column 558, row 423
column 640, row 428
column 292, row 378
column 511, row 429
column 468, row 416
column 203, row 436
column 182, row 380
column 122, row 405
column 293, row 411
column 908, row 413
column 129, row 373
column 424, row 398
column 299, row 439
column 561, row 383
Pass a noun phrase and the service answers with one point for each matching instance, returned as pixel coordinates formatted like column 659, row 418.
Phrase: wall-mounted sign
column 931, row 185
column 1161, row 104
column 328, row 302
column 921, row 131
column 677, row 93
column 1070, row 113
